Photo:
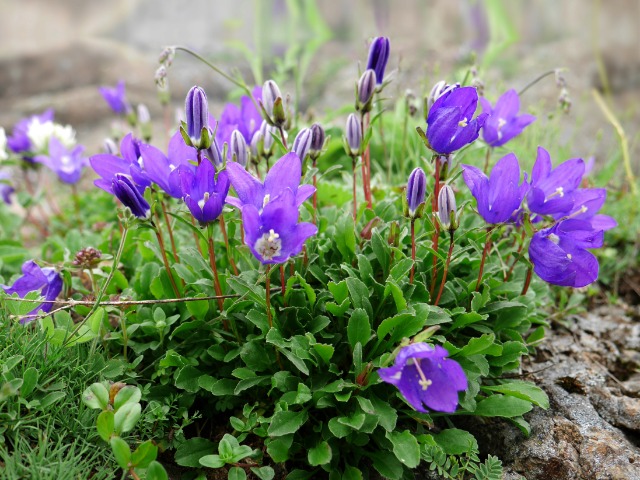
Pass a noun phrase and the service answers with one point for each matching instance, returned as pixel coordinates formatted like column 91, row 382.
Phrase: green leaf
column 359, row 295
column 29, row 381
column 319, row 455
column 339, row 291
column 388, row 465
column 51, row 398
column 279, row 448
column 96, row 396
column 104, row 424
column 284, row 423
column 94, row 322
column 358, row 328
column 187, row 379
column 237, row 473
column 155, row 471
column 351, row 473
column 126, row 417
column 121, row 451
column 338, row 429
column 502, row 406
column 524, row 390
column 311, row 294
column 324, row 351
column 212, row 461
column 405, row 447
column 355, row 420
column 345, row 237
column 144, row 454
column 484, row 344
column 127, row 394
column 398, row 297
column 263, row 473
column 456, row 442
column 199, row 308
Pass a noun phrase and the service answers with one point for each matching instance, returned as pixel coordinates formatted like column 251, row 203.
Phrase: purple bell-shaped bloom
column 503, row 122
column 116, row 98
column 19, row 141
column 246, row 119
column 552, row 189
column 378, row 57
column 130, row 163
column 126, row 191
column 67, row 164
column 285, row 174
column 450, row 122
column 203, row 194
column 162, row 169
column 274, row 235
column 499, row 196
column 45, row 280
column 586, row 204
column 559, row 254
column 426, row 377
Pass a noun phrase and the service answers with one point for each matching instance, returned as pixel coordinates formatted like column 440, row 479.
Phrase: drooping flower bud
column 354, row 134
column 366, row 88
column 273, row 103
column 214, row 154
column 255, row 146
column 128, row 194
column 267, row 132
column 238, row 148
column 378, row 57
column 447, row 210
column 197, row 118
column 416, row 192
column 317, row 140
column 438, row 90
column 302, row 143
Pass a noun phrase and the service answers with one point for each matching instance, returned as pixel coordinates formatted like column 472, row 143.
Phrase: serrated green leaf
column 358, row 328
column 405, row 447
column 284, row 423
column 319, row 455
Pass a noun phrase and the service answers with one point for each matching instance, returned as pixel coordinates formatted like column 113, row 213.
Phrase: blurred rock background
column 57, row 53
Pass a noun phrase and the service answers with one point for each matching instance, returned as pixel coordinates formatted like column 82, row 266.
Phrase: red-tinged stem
column 527, row 281
column 445, row 272
column 487, row 158
column 315, row 195
column 515, row 261
column 223, row 229
column 366, row 165
column 283, row 138
column 355, row 206
column 169, row 229
column 268, row 297
column 436, row 232
column 282, row 284
column 485, row 251
column 199, row 157
column 413, row 250
column 166, row 261
column 216, row 279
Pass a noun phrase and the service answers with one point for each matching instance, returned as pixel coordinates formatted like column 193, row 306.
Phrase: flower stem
column 413, row 250
column 283, row 138
column 527, row 281
column 315, row 194
column 165, row 213
column 196, row 237
column 436, row 232
column 282, row 283
column 216, row 279
column 536, row 80
column 105, row 285
column 163, row 252
column 485, row 251
column 366, row 164
column 268, row 295
column 487, row 158
column 355, row 205
column 223, row 229
column 446, row 270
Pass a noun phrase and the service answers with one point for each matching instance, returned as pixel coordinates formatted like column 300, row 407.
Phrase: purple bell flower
column 19, row 141
column 131, row 163
column 378, row 57
column 68, row 164
column 162, row 169
column 426, row 377
column 559, row 254
column 503, row 122
column 285, row 174
column 552, row 189
column 203, row 194
column 416, row 190
column 450, row 122
column 246, row 119
column 45, row 280
column 123, row 187
column 116, row 98
column 274, row 235
column 5, row 187
column 586, row 204
column 499, row 196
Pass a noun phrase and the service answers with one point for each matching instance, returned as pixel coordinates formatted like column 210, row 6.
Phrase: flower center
column 203, row 200
column 463, row 123
column 424, row 382
column 501, row 123
column 554, row 238
column 269, row 245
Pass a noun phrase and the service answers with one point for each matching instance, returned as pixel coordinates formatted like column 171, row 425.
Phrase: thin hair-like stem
column 216, row 279
column 223, row 229
column 413, row 250
column 485, row 251
column 445, row 271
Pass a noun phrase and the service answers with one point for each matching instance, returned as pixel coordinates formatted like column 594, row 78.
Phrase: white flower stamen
column 463, row 123
column 203, row 200
column 269, row 245
column 424, row 382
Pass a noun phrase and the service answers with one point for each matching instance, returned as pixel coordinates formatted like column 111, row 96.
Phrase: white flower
column 40, row 133
column 3, row 145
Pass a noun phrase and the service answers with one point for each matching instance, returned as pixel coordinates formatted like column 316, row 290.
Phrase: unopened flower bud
column 366, row 88
column 267, row 132
column 161, row 77
column 111, row 147
column 167, row 55
column 270, row 93
column 354, row 134
column 87, row 257
column 238, row 148
column 197, row 117
column 317, row 140
column 378, row 57
column 410, row 99
column 128, row 194
column 447, row 208
column 438, row 90
column 255, row 146
column 416, row 191
column 214, row 154
column 302, row 143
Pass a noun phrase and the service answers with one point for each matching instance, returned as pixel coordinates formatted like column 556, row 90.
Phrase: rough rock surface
column 592, row 429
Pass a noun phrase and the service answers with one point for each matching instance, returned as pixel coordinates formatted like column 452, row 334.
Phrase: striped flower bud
column 302, row 143
column 378, row 57
column 354, row 134
column 197, row 116
column 366, row 88
column 447, row 208
column 238, row 148
column 416, row 191
column 317, row 140
column 128, row 194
